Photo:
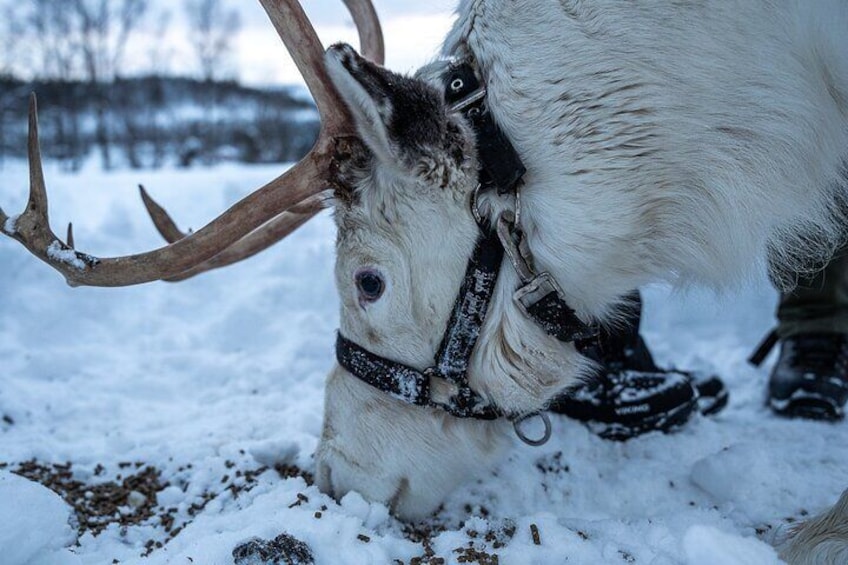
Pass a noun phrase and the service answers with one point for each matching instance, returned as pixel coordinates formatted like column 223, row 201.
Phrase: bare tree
column 49, row 26
column 160, row 52
column 9, row 41
column 77, row 39
column 211, row 29
column 104, row 27
column 47, row 29
column 160, row 55
column 10, row 33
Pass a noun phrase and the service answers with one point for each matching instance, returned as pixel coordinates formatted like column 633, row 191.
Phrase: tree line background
column 72, row 53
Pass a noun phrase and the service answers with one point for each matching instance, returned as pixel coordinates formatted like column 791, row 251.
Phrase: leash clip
column 516, row 246
column 539, row 297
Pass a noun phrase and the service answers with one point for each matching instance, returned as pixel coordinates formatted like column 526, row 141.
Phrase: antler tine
column 259, row 239
column 308, row 177
column 36, row 208
column 32, row 227
column 370, row 33
column 37, row 204
column 161, row 219
column 305, row 49
column 372, row 46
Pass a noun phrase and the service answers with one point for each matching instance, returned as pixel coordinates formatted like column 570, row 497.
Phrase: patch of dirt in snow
column 129, row 498
column 282, row 550
column 483, row 539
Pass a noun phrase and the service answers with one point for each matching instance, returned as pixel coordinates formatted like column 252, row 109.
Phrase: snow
column 56, row 252
column 34, row 523
column 706, row 545
column 11, row 225
column 222, row 375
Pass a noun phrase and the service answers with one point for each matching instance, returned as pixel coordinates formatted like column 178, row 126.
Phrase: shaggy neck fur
column 685, row 155
column 682, row 141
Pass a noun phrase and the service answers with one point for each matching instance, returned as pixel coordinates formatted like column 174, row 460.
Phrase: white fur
column 689, row 141
column 822, row 540
column 408, row 459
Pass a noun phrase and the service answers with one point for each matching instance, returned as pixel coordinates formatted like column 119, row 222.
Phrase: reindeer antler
column 372, row 46
column 306, row 179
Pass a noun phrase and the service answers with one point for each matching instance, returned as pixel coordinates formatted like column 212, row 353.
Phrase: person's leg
column 819, row 304
column 810, row 378
column 621, row 346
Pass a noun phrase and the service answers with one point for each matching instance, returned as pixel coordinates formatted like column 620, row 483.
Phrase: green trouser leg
column 819, row 303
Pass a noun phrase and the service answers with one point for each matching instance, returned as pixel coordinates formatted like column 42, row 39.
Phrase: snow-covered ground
column 209, row 380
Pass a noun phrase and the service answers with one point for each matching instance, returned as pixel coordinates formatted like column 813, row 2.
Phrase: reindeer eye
column 370, row 284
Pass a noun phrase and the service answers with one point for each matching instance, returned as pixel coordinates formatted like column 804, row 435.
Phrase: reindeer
column 496, row 206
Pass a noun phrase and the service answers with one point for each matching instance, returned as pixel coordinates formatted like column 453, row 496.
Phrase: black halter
column 463, row 329
column 538, row 297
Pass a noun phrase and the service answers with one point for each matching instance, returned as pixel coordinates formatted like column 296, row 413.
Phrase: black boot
column 810, row 379
column 630, row 395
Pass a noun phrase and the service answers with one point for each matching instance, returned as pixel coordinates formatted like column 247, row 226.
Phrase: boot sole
column 809, row 406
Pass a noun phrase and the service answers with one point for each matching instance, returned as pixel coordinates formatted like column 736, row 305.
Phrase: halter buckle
column 535, row 290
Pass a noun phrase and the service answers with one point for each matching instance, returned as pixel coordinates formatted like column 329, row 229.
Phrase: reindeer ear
column 402, row 120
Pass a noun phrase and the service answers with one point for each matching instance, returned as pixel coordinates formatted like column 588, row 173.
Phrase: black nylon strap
column 407, row 384
column 502, row 167
column 470, row 308
column 401, row 381
column 558, row 319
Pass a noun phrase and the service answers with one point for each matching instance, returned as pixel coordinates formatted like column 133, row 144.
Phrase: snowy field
column 189, row 414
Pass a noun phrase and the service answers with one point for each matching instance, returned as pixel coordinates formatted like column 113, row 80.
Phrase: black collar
column 539, row 298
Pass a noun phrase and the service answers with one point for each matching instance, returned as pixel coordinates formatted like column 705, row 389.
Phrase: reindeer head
column 405, row 228
column 405, row 235
column 404, row 169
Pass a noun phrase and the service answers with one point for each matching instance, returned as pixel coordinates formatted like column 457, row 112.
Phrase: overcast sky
column 413, row 33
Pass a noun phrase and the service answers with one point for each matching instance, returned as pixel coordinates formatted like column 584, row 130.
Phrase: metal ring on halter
column 515, row 246
column 516, row 424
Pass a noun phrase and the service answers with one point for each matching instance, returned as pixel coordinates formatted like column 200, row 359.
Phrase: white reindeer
column 662, row 140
